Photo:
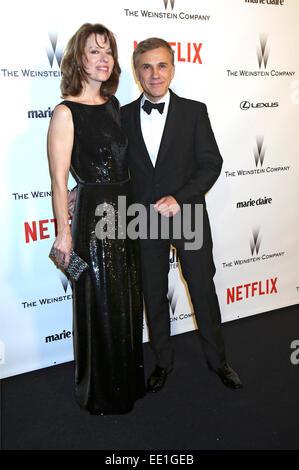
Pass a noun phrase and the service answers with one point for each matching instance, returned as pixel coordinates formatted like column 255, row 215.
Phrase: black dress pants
column 198, row 270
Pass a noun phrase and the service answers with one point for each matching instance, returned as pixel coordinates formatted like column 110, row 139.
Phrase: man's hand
column 71, row 198
column 167, row 206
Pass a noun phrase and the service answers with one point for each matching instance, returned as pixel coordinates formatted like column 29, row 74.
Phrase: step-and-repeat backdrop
column 240, row 58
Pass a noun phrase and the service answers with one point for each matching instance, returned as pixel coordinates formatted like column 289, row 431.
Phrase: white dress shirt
column 152, row 126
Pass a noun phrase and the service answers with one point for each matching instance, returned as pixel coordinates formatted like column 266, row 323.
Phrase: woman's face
column 98, row 59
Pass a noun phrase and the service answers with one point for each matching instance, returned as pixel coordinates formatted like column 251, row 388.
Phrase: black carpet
column 194, row 411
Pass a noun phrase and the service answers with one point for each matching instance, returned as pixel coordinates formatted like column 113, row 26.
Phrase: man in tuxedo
column 173, row 160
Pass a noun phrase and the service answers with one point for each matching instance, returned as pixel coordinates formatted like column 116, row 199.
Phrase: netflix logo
column 252, row 289
column 185, row 52
column 39, row 229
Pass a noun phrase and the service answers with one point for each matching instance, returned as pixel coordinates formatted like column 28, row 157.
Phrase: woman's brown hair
column 72, row 68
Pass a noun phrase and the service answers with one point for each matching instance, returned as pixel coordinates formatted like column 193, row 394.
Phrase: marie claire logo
column 245, row 105
column 52, row 52
column 259, row 157
column 263, row 52
column 254, row 246
column 259, row 202
column 39, row 113
column 167, row 15
column 58, row 336
column 267, row 2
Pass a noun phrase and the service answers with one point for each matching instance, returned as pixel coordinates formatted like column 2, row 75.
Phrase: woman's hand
column 63, row 246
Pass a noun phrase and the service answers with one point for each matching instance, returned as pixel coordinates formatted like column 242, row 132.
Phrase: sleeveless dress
column 108, row 308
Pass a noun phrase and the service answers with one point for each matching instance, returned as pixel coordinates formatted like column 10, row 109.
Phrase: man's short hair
column 150, row 44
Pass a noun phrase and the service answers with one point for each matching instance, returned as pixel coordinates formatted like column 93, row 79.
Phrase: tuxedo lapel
column 141, row 144
column 171, row 127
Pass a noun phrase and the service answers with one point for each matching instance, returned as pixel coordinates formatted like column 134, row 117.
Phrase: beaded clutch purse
column 76, row 265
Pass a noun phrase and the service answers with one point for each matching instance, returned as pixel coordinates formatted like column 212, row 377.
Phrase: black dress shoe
column 157, row 379
column 228, row 376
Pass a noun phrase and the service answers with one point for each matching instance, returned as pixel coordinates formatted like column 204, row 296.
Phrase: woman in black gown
column 85, row 136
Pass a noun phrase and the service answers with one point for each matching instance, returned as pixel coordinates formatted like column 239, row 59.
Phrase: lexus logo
column 259, row 152
column 255, row 242
column 245, row 105
column 171, row 3
column 53, row 51
column 263, row 51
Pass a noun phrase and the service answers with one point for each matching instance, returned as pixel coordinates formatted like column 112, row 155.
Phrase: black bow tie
column 148, row 106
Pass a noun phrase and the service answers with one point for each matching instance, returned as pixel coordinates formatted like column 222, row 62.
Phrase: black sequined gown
column 108, row 313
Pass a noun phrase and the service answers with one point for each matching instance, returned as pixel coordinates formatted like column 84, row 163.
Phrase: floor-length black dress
column 108, row 308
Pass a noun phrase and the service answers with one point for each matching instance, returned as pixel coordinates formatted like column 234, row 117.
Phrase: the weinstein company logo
column 65, row 281
column 172, row 297
column 174, row 293
column 259, row 151
column 255, row 245
column 51, row 300
column 46, row 301
column 53, row 51
column 166, row 15
column 255, row 241
column 172, row 2
column 263, row 51
column 259, row 157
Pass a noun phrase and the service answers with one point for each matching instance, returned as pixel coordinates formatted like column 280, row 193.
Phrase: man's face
column 155, row 72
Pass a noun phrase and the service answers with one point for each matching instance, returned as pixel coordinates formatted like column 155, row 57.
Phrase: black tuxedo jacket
column 188, row 161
